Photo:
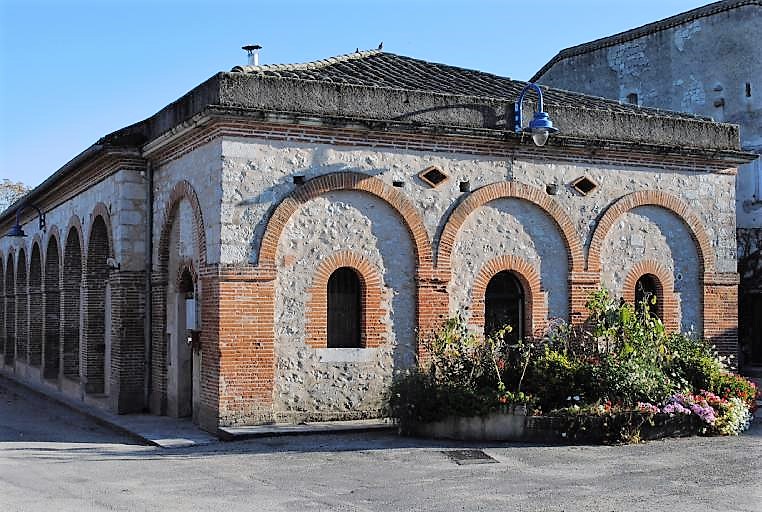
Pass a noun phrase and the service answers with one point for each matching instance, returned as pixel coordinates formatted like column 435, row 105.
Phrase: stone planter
column 512, row 425
column 516, row 425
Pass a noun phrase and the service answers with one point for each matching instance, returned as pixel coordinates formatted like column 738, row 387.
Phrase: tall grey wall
column 710, row 66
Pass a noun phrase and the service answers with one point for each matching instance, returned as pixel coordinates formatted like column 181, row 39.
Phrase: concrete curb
column 321, row 428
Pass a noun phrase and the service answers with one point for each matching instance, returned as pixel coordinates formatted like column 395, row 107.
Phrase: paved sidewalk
column 166, row 432
column 148, row 429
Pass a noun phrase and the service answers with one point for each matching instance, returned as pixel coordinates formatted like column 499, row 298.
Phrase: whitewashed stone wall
column 257, row 175
column 652, row 233
column 201, row 168
column 510, row 227
column 121, row 193
column 346, row 380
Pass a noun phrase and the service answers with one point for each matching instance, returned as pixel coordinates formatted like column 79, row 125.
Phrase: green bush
column 692, row 363
column 621, row 363
column 626, row 381
column 552, row 377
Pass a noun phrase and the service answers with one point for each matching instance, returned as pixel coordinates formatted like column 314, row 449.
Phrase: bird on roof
column 381, row 46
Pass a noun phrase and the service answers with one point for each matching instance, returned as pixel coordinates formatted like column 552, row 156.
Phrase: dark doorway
column 504, row 305
column 344, row 309
column 646, row 289
column 756, row 331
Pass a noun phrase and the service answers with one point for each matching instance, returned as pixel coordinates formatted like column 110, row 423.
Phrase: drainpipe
column 148, row 321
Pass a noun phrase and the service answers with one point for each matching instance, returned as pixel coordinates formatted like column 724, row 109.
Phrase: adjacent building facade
column 274, row 245
column 707, row 61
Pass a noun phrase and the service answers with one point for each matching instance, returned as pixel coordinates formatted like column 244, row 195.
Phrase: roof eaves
column 644, row 30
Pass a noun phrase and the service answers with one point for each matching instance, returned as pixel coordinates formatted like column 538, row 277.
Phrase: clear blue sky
column 72, row 71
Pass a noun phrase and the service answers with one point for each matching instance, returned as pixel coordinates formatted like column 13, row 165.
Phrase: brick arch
column 181, row 190
column 71, row 297
column 99, row 248
column 102, row 211
column 372, row 329
column 76, row 224
column 53, row 234
column 651, row 198
column 22, row 305
column 510, row 190
column 535, row 307
column 345, row 181
column 666, row 300
column 10, row 308
column 52, row 335
column 2, row 304
column 35, row 303
column 185, row 264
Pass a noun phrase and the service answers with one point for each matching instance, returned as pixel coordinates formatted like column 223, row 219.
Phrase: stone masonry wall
column 119, row 199
column 311, row 382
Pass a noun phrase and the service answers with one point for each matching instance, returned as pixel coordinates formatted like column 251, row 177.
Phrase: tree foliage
column 10, row 191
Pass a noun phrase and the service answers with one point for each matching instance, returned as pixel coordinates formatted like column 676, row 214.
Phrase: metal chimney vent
column 253, row 51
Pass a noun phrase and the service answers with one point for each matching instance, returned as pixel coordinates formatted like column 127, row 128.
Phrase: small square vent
column 433, row 176
column 584, row 185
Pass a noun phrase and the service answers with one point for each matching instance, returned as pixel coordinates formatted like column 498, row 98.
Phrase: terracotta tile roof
column 650, row 28
column 376, row 68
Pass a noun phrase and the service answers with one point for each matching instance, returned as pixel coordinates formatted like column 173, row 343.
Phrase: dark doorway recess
column 344, row 309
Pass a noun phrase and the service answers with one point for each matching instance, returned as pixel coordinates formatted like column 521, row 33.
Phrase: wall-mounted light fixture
column 16, row 231
column 541, row 127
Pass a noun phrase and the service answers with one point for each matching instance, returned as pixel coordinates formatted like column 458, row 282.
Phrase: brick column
column 581, row 285
column 92, row 348
column 433, row 305
column 127, row 342
column 238, row 346
column 158, row 395
column 721, row 312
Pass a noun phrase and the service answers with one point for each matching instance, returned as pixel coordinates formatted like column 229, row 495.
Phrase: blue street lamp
column 16, row 230
column 541, row 127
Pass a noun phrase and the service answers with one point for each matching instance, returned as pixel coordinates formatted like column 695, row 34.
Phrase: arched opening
column 2, row 306
column 504, row 305
column 98, row 314
column 52, row 350
column 181, row 310
column 10, row 312
column 344, row 309
column 72, row 300
column 22, row 308
column 647, row 289
column 35, row 307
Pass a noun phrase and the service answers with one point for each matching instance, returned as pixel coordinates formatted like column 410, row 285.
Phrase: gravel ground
column 52, row 459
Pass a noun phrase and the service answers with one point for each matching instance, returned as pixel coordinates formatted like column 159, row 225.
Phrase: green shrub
column 626, row 381
column 552, row 377
column 692, row 363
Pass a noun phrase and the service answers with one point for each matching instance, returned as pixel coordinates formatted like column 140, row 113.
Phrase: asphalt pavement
column 53, row 459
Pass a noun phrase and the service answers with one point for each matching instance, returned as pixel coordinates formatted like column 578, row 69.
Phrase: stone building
column 707, row 61
column 296, row 228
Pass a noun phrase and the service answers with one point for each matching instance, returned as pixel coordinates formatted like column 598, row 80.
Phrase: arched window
column 645, row 289
column 344, row 309
column 504, row 305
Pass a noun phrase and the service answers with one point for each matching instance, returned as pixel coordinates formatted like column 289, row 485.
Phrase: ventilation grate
column 462, row 457
column 584, row 185
column 433, row 176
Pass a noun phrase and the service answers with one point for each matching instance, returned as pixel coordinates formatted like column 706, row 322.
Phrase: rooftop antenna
column 253, row 51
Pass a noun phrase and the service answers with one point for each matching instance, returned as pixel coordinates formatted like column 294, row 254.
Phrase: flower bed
column 620, row 379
